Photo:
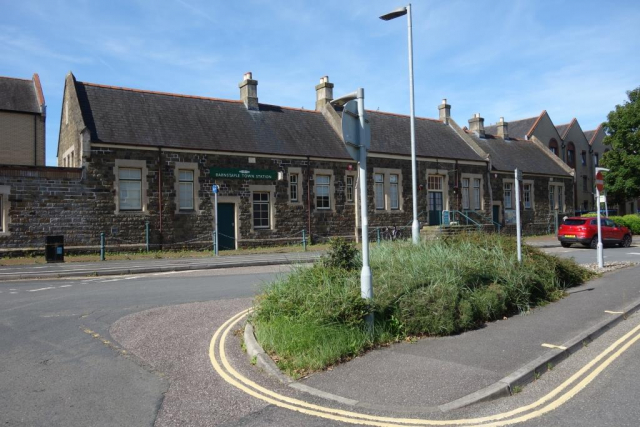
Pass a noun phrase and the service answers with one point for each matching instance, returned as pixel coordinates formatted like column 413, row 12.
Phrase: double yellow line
column 546, row 404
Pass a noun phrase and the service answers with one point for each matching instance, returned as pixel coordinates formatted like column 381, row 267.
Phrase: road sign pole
column 366, row 285
column 215, row 219
column 518, row 226
column 599, row 188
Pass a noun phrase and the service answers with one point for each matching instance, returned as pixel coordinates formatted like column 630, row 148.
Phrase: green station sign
column 227, row 173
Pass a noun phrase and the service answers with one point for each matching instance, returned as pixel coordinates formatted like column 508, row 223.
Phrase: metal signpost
column 215, row 217
column 518, row 227
column 599, row 188
column 356, row 134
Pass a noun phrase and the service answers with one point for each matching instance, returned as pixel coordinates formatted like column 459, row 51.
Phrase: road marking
column 13, row 292
column 41, row 289
column 554, row 346
column 614, row 312
column 633, row 253
column 65, row 286
column 359, row 418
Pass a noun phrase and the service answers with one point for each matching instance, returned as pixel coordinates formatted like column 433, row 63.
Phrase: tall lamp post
column 415, row 226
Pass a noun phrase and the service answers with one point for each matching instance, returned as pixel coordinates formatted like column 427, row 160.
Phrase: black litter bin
column 54, row 248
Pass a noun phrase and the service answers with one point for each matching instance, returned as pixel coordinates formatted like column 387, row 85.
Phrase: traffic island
column 314, row 318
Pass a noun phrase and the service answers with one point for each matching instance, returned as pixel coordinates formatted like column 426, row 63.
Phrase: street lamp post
column 415, row 227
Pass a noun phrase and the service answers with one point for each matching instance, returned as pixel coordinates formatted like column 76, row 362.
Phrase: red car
column 585, row 231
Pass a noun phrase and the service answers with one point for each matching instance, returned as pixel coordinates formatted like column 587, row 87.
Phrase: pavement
column 111, row 268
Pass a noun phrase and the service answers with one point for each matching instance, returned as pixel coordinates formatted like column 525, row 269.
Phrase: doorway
column 226, row 226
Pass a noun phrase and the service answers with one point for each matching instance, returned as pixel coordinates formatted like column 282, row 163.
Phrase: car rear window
column 575, row 222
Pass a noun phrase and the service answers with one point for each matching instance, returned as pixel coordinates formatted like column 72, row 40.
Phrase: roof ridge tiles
column 402, row 115
column 153, row 92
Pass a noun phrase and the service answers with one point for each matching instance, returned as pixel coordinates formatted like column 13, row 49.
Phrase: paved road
column 58, row 363
column 589, row 256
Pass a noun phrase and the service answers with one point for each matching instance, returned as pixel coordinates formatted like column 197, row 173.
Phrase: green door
column 496, row 214
column 226, row 226
column 435, row 207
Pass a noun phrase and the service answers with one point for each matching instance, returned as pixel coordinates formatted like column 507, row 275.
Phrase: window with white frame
column 185, row 190
column 261, row 208
column 526, row 195
column 508, row 195
column 434, row 182
column 323, row 196
column 349, row 188
column 476, row 193
column 465, row 193
column 130, row 186
column 293, row 187
column 394, row 195
column 378, row 187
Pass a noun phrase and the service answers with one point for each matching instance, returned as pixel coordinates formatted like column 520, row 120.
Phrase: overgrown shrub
column 435, row 288
column 342, row 254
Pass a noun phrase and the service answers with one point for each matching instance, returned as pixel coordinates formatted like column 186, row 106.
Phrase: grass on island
column 168, row 254
column 314, row 317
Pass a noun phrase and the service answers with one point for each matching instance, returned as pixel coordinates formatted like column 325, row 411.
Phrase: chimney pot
column 476, row 125
column 324, row 92
column 444, row 111
column 249, row 91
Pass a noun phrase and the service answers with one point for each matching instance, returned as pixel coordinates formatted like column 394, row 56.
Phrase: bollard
column 304, row 240
column 378, row 233
column 146, row 234
column 101, row 246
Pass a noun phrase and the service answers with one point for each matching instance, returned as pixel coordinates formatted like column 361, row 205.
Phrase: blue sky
column 498, row 58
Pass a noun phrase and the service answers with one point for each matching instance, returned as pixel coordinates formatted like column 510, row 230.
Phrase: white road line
column 554, row 346
column 65, row 286
column 13, row 293
column 41, row 289
column 633, row 253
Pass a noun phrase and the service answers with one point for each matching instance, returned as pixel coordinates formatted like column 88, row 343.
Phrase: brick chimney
column 503, row 129
column 476, row 125
column 445, row 111
column 324, row 92
column 249, row 91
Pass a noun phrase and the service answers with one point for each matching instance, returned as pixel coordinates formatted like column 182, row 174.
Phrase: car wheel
column 594, row 243
column 626, row 241
column 565, row 244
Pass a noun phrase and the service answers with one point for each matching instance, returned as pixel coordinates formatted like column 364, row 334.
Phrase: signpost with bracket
column 356, row 134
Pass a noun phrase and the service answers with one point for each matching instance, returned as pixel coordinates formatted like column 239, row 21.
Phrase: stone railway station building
column 127, row 157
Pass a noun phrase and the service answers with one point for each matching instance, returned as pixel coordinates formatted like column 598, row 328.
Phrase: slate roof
column 562, row 129
column 517, row 129
column 128, row 116
column 391, row 133
column 589, row 134
column 524, row 155
column 18, row 95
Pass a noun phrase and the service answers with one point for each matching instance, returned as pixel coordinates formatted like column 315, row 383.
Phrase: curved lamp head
column 401, row 11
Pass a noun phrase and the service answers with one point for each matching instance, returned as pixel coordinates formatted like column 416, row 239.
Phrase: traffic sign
column 352, row 133
column 214, row 189
column 599, row 181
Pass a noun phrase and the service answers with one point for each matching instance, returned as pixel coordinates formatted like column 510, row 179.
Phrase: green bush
column 342, row 254
column 313, row 317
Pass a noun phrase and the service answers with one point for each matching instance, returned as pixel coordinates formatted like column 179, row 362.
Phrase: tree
column 623, row 135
